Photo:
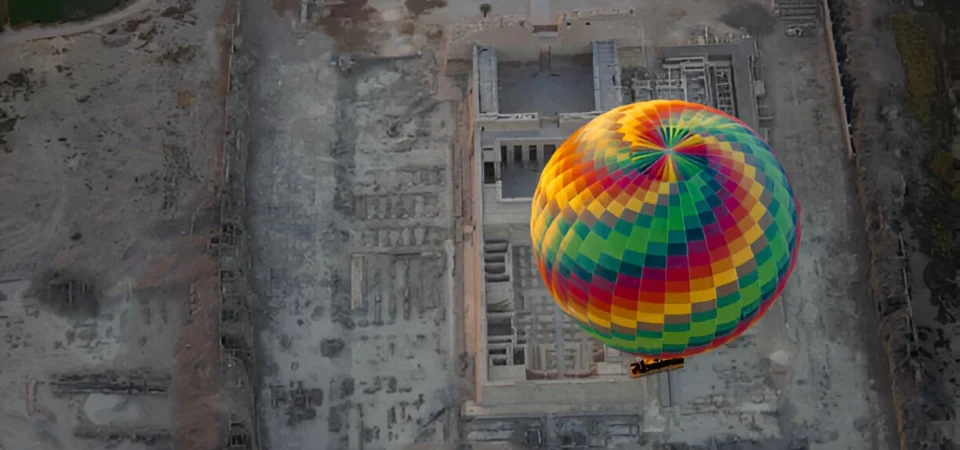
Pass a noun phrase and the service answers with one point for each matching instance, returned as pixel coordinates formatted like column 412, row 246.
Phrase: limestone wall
column 479, row 303
column 573, row 121
column 515, row 41
column 487, row 80
column 569, row 394
column 499, row 211
column 509, row 122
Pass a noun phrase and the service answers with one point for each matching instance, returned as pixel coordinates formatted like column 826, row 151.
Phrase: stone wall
column 515, row 40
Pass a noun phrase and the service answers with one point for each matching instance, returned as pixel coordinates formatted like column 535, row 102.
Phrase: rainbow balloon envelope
column 665, row 228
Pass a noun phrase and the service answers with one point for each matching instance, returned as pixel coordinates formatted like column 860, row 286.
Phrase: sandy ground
column 348, row 214
column 108, row 180
column 106, row 264
column 837, row 395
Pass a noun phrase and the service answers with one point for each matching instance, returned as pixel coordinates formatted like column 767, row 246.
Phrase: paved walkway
column 9, row 36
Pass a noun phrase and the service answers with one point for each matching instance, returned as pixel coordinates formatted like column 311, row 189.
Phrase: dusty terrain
column 348, row 219
column 109, row 170
column 837, row 392
column 337, row 248
column 325, row 149
column 902, row 66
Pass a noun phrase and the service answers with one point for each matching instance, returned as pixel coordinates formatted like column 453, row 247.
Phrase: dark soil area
column 25, row 12
column 353, row 24
column 936, row 208
column 66, row 294
column 3, row 14
column 420, row 7
column 751, row 17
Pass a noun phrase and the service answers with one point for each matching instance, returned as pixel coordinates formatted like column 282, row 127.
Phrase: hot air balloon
column 664, row 228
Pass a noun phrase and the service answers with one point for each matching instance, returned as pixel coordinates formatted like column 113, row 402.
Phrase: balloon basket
column 643, row 367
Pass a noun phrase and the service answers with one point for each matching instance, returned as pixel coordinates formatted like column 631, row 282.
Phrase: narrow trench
column 838, row 19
